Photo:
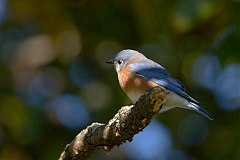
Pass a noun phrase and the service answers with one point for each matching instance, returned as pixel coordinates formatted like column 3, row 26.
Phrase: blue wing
column 159, row 75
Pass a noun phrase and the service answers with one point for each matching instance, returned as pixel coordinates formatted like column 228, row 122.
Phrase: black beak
column 111, row 61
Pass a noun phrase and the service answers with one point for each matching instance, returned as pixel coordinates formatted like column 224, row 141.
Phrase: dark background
column 54, row 82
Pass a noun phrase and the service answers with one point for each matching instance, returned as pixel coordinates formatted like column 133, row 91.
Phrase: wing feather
column 158, row 74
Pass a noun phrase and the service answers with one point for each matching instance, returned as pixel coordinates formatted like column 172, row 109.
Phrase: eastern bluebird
column 137, row 74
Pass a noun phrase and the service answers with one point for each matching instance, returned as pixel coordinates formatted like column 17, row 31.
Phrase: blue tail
column 200, row 110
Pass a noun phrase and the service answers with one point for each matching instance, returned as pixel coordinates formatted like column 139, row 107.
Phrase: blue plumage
column 141, row 66
column 156, row 73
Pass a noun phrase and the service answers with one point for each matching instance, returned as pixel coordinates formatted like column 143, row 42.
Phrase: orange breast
column 133, row 83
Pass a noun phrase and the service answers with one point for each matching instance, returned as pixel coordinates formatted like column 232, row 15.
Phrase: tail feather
column 200, row 110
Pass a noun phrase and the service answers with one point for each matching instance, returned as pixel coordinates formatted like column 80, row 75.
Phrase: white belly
column 174, row 100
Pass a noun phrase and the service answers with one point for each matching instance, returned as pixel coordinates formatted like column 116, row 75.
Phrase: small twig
column 129, row 121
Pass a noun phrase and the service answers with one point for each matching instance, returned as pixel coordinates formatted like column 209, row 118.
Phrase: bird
column 137, row 74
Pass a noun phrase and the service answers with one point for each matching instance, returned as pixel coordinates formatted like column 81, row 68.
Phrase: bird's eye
column 119, row 61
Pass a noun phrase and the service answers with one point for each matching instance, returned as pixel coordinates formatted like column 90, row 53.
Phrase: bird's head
column 125, row 57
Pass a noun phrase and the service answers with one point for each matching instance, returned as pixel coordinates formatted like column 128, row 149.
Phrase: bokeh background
column 54, row 82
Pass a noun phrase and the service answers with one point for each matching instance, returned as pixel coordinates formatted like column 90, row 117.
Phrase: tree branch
column 126, row 123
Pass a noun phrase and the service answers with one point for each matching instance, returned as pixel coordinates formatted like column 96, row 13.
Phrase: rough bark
column 129, row 121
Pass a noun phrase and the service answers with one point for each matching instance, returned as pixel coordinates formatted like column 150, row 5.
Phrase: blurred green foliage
column 52, row 51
